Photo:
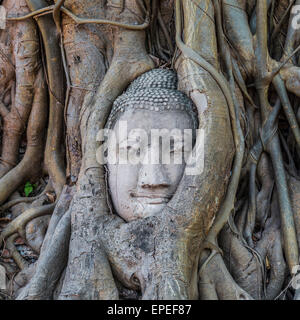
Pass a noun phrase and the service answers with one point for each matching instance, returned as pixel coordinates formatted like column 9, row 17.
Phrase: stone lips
column 155, row 90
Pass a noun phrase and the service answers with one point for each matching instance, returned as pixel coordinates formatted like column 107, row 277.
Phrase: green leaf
column 28, row 189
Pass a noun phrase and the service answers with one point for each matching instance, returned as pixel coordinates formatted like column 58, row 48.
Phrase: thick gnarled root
column 53, row 254
column 30, row 166
column 20, row 261
column 22, row 63
column 18, row 225
column 50, row 265
column 216, row 283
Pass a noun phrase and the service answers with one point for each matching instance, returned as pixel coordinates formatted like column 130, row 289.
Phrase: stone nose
column 153, row 176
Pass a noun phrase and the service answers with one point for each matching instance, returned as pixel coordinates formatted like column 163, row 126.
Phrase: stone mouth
column 154, row 197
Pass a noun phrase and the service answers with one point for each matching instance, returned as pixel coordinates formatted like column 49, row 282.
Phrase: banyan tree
column 223, row 226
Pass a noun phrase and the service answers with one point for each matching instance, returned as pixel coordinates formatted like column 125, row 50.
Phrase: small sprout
column 28, row 189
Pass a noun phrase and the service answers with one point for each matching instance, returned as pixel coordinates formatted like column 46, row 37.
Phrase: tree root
column 51, row 264
column 47, row 269
column 79, row 21
column 18, row 225
column 15, row 202
column 54, row 156
column 20, row 261
column 19, row 200
column 216, row 283
column 287, row 219
column 28, row 75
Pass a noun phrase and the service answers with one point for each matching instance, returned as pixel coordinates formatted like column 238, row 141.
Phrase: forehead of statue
column 147, row 120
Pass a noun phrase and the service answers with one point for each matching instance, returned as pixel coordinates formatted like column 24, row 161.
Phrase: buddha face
column 143, row 189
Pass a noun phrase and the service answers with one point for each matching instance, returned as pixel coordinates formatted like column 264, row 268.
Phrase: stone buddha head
column 154, row 129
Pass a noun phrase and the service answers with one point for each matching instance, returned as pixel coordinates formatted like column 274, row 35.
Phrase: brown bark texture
column 229, row 233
